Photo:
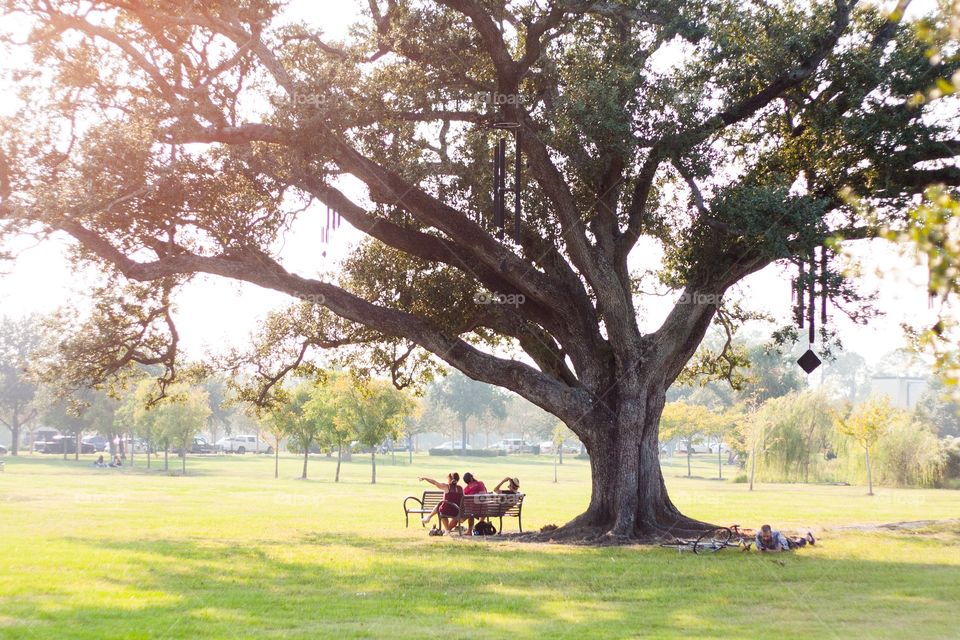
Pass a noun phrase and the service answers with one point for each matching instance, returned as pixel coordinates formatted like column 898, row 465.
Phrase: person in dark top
column 473, row 486
column 449, row 507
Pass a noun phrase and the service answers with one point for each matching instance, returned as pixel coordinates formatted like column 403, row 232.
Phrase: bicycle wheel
column 713, row 540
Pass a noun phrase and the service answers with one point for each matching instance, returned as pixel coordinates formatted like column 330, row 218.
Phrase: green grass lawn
column 230, row 552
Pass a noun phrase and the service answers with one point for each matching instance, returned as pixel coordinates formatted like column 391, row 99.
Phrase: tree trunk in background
column 869, row 471
column 373, row 459
column 76, row 454
column 183, row 463
column 276, row 460
column 336, row 478
column 719, row 460
column 149, row 451
column 689, row 445
column 463, row 435
column 166, row 457
column 306, row 456
column 15, row 434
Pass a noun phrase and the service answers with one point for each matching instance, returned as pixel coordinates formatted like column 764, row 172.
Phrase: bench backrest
column 432, row 499
column 485, row 505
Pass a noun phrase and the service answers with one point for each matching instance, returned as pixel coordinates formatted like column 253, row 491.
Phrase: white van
column 242, row 444
column 510, row 445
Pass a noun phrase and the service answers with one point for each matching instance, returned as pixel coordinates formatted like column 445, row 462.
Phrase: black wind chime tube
column 812, row 308
column 801, row 295
column 496, row 184
column 517, row 187
column 824, row 294
column 500, row 198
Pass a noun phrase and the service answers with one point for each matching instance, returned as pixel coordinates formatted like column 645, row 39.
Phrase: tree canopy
column 169, row 140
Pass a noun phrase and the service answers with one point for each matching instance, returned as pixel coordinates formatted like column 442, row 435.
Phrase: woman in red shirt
column 449, row 507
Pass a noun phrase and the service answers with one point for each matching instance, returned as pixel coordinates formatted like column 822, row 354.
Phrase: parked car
column 243, row 443
column 449, row 444
column 510, row 445
column 199, row 445
column 547, row 446
column 62, row 444
column 99, row 443
column 723, row 448
column 697, row 446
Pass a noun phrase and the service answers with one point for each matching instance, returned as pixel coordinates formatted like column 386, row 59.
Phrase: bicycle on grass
column 714, row 540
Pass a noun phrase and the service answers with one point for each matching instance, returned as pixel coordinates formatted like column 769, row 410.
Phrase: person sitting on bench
column 472, row 486
column 449, row 507
column 513, row 486
column 770, row 541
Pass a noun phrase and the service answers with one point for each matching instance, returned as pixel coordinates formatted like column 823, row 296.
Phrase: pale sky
column 213, row 313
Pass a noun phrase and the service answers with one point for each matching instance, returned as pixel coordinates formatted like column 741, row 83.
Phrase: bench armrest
column 408, row 499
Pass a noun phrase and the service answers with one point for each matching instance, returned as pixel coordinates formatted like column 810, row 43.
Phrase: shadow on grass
column 323, row 585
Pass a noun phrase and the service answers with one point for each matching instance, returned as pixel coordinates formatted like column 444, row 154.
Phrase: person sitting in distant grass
column 117, row 462
column 473, row 487
column 100, row 462
column 449, row 507
column 770, row 541
column 513, row 486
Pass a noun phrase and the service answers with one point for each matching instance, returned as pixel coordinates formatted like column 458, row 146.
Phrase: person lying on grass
column 473, row 486
column 449, row 507
column 770, row 541
column 513, row 486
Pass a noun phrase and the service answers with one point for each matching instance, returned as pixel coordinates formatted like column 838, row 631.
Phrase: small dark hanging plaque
column 809, row 361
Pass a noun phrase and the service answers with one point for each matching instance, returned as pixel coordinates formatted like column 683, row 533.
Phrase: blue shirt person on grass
column 772, row 541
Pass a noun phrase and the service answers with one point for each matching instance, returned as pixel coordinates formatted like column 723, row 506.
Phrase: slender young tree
column 19, row 341
column 206, row 128
column 376, row 410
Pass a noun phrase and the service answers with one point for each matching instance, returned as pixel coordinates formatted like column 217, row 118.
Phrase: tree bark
column 629, row 498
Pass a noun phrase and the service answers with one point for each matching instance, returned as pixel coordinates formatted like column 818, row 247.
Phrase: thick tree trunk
column 629, row 498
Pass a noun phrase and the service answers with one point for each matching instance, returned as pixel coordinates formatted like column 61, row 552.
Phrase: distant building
column 903, row 391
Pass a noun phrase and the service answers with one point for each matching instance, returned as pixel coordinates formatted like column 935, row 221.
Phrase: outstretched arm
column 439, row 485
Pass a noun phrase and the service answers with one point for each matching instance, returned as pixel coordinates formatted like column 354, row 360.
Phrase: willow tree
column 169, row 139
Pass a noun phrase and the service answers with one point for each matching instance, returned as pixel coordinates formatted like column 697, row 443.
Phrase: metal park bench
column 493, row 505
column 421, row 506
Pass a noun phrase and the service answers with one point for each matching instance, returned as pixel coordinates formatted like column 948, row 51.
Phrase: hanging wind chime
column 500, row 181
column 333, row 223
column 805, row 309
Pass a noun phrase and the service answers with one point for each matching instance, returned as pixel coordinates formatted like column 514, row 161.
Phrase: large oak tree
column 169, row 139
